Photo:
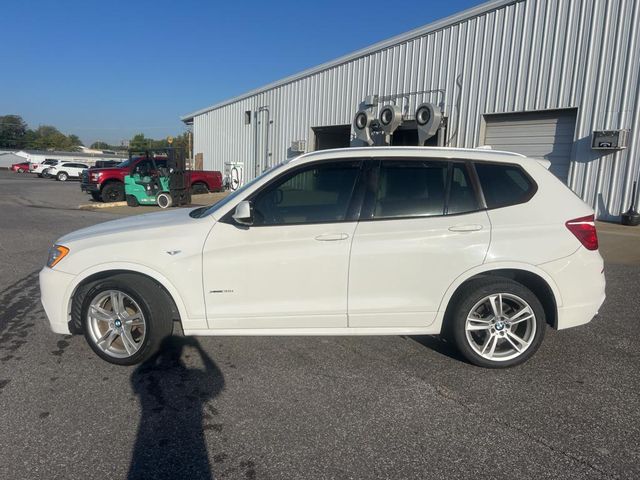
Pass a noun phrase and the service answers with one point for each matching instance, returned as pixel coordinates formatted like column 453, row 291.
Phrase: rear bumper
column 581, row 282
column 55, row 298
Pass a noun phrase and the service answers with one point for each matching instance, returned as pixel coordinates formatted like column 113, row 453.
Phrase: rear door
column 422, row 225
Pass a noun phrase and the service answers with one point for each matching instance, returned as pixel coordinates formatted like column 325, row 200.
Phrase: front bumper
column 55, row 295
column 90, row 187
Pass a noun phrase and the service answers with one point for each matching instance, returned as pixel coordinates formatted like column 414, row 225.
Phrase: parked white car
column 39, row 168
column 486, row 247
column 67, row 170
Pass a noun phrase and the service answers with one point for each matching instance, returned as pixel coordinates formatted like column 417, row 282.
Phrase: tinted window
column 410, row 188
column 504, row 185
column 462, row 196
column 319, row 193
column 50, row 162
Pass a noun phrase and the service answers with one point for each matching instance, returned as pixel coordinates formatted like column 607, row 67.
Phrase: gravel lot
column 306, row 407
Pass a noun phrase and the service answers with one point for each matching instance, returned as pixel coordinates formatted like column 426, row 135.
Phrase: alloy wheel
column 500, row 327
column 116, row 324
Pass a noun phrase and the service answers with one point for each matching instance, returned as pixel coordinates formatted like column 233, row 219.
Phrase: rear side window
column 410, row 189
column 504, row 185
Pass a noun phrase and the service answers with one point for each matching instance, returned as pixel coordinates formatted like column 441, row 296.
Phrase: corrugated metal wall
column 515, row 56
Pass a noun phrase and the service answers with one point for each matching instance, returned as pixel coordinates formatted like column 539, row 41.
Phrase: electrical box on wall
column 609, row 139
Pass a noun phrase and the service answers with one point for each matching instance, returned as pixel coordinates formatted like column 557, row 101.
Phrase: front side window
column 410, row 189
column 315, row 194
column 504, row 184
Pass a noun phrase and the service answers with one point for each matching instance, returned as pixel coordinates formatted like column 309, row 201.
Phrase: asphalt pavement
column 303, row 407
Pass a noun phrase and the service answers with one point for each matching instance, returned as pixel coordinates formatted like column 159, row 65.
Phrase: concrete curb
column 91, row 206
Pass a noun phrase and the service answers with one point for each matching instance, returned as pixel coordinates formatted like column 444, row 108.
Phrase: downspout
column 258, row 165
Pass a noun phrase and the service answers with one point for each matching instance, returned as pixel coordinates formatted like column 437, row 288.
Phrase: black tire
column 132, row 201
column 155, row 306
column 62, row 176
column 96, row 196
column 474, row 292
column 113, row 192
column 199, row 188
column 20, row 170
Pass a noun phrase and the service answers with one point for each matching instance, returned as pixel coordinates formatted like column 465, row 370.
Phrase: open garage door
column 542, row 134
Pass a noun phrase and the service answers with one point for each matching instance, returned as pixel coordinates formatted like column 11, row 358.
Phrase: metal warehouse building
column 557, row 79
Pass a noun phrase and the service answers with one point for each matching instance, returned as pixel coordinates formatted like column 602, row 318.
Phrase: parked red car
column 20, row 167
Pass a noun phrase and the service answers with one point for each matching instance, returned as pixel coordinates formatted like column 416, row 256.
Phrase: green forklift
column 162, row 180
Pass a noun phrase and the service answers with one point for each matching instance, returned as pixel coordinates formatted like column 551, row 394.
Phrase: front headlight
column 56, row 253
column 95, row 177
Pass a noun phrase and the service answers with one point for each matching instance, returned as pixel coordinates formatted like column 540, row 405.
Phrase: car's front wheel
column 125, row 318
column 497, row 323
column 62, row 176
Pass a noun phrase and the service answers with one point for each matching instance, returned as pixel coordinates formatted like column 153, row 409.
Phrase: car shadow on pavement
column 440, row 345
column 171, row 441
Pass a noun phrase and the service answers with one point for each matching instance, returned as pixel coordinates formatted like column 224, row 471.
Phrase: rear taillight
column 584, row 228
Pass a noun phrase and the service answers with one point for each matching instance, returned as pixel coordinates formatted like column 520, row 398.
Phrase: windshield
column 204, row 211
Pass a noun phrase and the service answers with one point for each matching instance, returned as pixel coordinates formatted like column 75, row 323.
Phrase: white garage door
column 548, row 134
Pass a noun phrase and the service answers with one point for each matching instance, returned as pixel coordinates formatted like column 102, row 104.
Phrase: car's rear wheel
column 20, row 170
column 125, row 318
column 113, row 192
column 497, row 323
column 62, row 176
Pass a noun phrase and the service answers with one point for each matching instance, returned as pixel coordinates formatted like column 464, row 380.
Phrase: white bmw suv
column 485, row 247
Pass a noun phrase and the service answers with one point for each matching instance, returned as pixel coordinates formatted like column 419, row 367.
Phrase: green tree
column 12, row 132
column 140, row 142
column 48, row 137
column 75, row 141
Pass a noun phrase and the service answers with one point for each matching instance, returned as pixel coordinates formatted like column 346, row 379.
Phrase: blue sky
column 106, row 70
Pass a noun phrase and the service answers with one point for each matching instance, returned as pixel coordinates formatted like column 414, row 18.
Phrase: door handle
column 465, row 228
column 332, row 237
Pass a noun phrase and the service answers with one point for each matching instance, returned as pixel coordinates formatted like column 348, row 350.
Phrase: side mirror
column 243, row 214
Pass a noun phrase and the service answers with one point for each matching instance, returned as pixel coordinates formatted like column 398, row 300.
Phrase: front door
column 422, row 227
column 289, row 269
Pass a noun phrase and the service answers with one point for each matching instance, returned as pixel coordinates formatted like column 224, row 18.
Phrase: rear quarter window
column 504, row 185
